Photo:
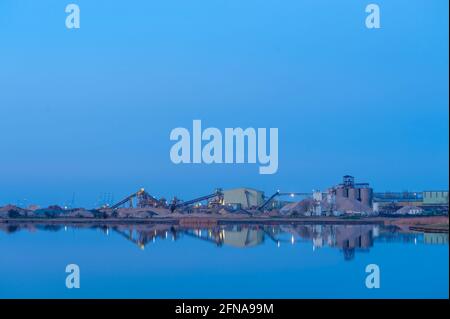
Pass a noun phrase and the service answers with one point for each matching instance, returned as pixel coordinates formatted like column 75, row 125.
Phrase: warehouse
column 243, row 198
column 435, row 197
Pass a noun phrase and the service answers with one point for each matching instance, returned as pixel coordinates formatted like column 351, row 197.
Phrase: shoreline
column 416, row 222
column 177, row 220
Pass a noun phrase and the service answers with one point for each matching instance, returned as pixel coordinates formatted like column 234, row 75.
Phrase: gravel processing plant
column 344, row 199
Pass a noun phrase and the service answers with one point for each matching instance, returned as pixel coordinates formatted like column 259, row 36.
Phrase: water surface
column 232, row 261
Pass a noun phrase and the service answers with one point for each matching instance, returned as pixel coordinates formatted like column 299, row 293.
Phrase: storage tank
column 367, row 196
column 353, row 193
column 367, row 240
column 341, row 192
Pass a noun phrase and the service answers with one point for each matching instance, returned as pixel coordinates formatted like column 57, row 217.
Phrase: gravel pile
column 409, row 210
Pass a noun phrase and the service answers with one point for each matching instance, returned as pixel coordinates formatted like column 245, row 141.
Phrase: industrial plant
column 348, row 198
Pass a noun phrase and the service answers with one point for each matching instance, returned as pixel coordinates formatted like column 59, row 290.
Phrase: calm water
column 236, row 261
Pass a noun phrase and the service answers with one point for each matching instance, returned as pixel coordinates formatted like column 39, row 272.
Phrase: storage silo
column 341, row 192
column 353, row 193
column 367, row 196
column 367, row 240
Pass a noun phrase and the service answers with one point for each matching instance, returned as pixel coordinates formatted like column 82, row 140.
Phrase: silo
column 341, row 192
column 367, row 196
column 367, row 240
column 353, row 193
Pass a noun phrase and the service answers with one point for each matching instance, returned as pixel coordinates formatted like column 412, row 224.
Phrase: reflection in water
column 435, row 238
column 348, row 238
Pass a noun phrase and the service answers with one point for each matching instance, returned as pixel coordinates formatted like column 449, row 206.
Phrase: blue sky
column 90, row 111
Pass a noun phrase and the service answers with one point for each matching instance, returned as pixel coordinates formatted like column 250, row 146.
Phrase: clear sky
column 89, row 111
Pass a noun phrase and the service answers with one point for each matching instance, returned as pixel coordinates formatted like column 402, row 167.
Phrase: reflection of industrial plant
column 236, row 235
column 350, row 239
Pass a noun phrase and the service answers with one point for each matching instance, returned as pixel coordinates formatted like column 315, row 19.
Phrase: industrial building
column 346, row 198
column 244, row 198
column 426, row 202
column 435, row 197
column 400, row 198
column 355, row 191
